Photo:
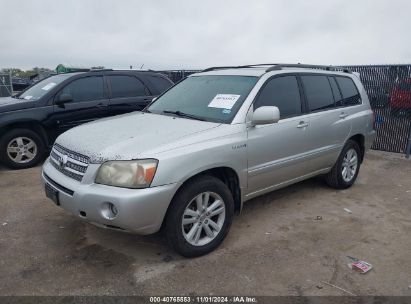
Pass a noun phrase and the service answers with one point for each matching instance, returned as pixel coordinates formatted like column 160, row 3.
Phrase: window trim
column 70, row 81
column 338, row 88
column 302, row 101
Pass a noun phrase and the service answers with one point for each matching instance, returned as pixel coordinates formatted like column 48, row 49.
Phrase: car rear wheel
column 345, row 171
column 21, row 148
column 200, row 216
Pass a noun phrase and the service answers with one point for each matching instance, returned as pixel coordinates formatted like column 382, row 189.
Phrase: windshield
column 210, row 98
column 38, row 90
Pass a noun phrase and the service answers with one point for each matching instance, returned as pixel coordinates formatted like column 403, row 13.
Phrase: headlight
column 127, row 174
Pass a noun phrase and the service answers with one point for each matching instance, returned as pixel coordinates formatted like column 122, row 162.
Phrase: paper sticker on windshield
column 48, row 86
column 28, row 97
column 223, row 101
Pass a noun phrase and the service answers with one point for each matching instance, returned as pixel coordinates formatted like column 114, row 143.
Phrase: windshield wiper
column 182, row 114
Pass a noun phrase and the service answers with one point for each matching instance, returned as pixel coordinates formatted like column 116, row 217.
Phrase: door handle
column 302, row 124
column 101, row 105
column 343, row 115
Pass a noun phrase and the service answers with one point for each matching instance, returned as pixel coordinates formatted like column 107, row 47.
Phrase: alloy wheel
column 203, row 218
column 349, row 165
column 21, row 150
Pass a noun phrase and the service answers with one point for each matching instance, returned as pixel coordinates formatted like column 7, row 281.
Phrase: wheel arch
column 27, row 124
column 360, row 140
column 227, row 175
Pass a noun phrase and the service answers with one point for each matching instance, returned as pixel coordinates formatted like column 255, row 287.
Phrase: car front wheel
column 21, row 148
column 200, row 216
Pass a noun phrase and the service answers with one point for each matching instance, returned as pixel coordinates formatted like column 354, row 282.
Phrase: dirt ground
column 283, row 243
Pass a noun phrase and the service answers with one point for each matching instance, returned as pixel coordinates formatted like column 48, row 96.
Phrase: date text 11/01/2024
column 203, row 299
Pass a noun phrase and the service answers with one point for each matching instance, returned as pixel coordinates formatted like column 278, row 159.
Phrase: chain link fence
column 389, row 90
column 6, row 87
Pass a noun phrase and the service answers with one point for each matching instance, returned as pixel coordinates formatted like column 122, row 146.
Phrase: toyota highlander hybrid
column 207, row 145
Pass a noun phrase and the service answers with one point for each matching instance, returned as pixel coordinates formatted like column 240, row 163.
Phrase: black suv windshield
column 210, row 98
column 38, row 90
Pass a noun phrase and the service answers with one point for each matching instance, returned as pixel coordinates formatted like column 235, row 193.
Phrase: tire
column 336, row 178
column 178, row 235
column 31, row 146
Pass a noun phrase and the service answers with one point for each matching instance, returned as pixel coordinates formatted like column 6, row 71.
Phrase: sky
column 194, row 34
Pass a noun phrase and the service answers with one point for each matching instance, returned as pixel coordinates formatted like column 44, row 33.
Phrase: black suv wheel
column 21, row 148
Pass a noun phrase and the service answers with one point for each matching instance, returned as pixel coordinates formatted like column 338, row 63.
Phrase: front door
column 89, row 102
column 277, row 152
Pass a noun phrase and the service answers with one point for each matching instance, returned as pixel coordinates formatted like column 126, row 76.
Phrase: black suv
column 31, row 121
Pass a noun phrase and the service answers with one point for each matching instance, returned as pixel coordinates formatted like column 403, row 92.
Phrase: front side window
column 41, row 88
column 318, row 92
column 85, row 89
column 282, row 92
column 349, row 91
column 126, row 86
column 214, row 98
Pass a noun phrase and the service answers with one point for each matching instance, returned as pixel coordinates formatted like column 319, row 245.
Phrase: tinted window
column 282, row 92
column 159, row 83
column 126, row 86
column 85, row 89
column 336, row 92
column 318, row 92
column 42, row 87
column 349, row 91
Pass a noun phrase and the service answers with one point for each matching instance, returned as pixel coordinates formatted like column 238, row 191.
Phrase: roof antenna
column 141, row 66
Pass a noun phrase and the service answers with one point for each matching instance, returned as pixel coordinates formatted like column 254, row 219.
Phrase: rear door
column 89, row 103
column 277, row 152
column 328, row 118
column 128, row 93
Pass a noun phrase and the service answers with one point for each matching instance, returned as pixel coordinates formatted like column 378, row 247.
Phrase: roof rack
column 99, row 70
column 237, row 66
column 280, row 66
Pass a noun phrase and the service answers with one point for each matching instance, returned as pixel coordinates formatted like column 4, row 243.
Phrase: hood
column 8, row 104
column 126, row 136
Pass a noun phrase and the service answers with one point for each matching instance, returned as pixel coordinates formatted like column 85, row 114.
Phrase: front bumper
column 139, row 210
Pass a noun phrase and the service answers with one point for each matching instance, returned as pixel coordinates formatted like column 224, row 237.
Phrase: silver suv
column 207, row 145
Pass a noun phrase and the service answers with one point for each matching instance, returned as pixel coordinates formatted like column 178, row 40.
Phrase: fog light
column 109, row 211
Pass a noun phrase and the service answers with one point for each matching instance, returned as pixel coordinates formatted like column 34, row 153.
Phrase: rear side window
column 349, row 91
column 282, row 92
column 159, row 83
column 336, row 92
column 126, row 86
column 85, row 89
column 318, row 92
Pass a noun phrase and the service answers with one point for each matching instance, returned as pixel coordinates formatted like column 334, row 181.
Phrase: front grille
column 71, row 164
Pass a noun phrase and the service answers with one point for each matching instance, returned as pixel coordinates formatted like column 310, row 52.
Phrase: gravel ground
column 283, row 243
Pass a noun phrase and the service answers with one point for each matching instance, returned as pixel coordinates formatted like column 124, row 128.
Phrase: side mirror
column 63, row 98
column 265, row 116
